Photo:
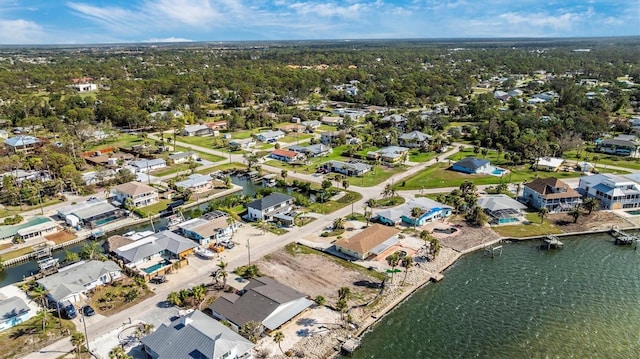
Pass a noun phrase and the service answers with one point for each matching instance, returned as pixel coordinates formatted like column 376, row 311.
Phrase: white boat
column 205, row 253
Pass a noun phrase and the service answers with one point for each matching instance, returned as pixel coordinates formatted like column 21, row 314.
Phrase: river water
column 579, row 302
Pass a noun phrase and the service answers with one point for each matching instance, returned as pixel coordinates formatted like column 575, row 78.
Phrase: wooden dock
column 350, row 345
column 623, row 238
column 551, row 242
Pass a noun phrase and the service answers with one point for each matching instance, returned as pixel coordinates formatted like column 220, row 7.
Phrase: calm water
column 579, row 302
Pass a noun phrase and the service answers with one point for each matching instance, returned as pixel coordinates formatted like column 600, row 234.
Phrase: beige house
column 371, row 241
column 140, row 193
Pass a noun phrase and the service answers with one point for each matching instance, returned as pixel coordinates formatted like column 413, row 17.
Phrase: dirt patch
column 588, row 222
column 466, row 237
column 317, row 274
column 61, row 237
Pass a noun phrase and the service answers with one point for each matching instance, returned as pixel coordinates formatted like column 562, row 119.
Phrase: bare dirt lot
column 467, row 236
column 318, row 274
column 588, row 222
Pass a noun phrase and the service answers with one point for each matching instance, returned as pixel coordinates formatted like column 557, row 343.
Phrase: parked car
column 87, row 311
column 159, row 279
column 68, row 310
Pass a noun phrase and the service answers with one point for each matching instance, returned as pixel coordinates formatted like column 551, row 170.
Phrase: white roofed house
column 148, row 165
column 91, row 213
column 197, row 130
column 72, row 283
column 13, row 311
column 242, row 144
column 550, row 164
column 347, row 168
column 182, row 157
column 139, row 193
column 211, row 227
column 196, row 183
column 414, row 139
column 613, row 191
column 270, row 136
column 391, row 154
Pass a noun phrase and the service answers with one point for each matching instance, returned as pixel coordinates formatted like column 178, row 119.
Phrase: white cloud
column 20, row 31
column 168, row 39
column 198, row 13
column 331, row 9
column 564, row 21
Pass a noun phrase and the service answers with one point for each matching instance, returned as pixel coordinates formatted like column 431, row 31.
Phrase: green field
column 206, row 142
column 123, row 140
column 535, row 228
column 296, row 137
column 310, row 167
column 155, row 208
column 332, row 206
column 375, row 176
column 417, row 156
column 203, row 155
column 172, row 169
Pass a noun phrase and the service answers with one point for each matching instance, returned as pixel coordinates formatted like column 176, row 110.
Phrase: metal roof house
column 149, row 165
column 431, row 211
column 471, row 165
column 373, row 240
column 264, row 300
column 206, row 230
column 182, row 157
column 196, row 335
column 197, row 130
column 266, row 207
column 91, row 213
column 414, row 139
column 13, row 311
column 72, row 283
column 613, row 191
column 162, row 245
column 390, row 154
column 621, row 145
column 34, row 227
column 501, row 208
column 270, row 136
column 196, row 182
column 347, row 168
column 316, row 150
column 22, row 143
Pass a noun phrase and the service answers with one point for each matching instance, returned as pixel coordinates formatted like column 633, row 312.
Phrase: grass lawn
column 438, row 176
column 313, row 163
column 203, row 155
column 10, row 211
column 172, row 169
column 332, row 206
column 28, row 336
column 223, row 167
column 123, row 140
column 241, row 135
column 365, row 151
column 155, row 208
column 206, row 142
column 535, row 228
column 324, row 128
column 604, row 160
column 295, row 137
column 375, row 176
column 17, row 253
column 417, row 156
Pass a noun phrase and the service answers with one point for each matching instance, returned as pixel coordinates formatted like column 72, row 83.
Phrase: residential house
column 267, row 207
column 270, row 136
column 217, row 126
column 72, row 283
column 501, row 208
column 347, row 168
column 292, row 127
column 397, row 121
column 331, row 121
column 148, row 165
column 83, row 87
column 317, row 150
column 330, row 137
column 22, row 144
column 243, row 144
column 414, row 139
column 20, row 175
column 390, row 154
column 98, row 177
column 197, row 130
column 140, row 194
column 515, row 93
column 211, row 227
column 471, row 165
column 613, row 191
column 313, row 124
column 622, row 145
column 287, row 156
column 264, row 300
column 13, row 311
column 196, row 183
column 37, row 226
column 371, row 241
column 149, row 253
column 430, row 210
column 550, row 164
column 183, row 157
column 4, row 134
column 196, row 335
column 91, row 213
column 551, row 193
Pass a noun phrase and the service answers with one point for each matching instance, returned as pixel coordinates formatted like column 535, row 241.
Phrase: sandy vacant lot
column 595, row 221
column 467, row 236
column 316, row 274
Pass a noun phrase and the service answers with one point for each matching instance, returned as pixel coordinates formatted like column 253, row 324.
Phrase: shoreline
column 436, row 276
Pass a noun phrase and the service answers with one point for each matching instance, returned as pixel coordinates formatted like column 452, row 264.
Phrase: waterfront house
column 501, row 208
column 471, row 165
column 22, row 144
column 390, row 154
column 197, row 183
column 414, row 139
column 72, row 283
column 287, row 156
column 270, row 136
column 550, row 164
column 622, row 145
column 267, row 207
column 243, row 144
column 613, row 191
column 316, row 150
column 148, row 165
column 37, row 226
column 154, row 252
column 371, row 241
column 430, row 211
column 263, row 300
column 346, row 168
column 551, row 193
column 183, row 157
column 196, row 335
column 140, row 194
column 91, row 213
column 13, row 311
column 210, row 228
column 197, row 130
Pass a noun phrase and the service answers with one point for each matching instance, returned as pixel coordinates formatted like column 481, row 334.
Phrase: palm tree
column 591, row 204
column 40, row 294
column 407, row 262
column 278, row 337
column 393, row 260
column 542, row 212
column 175, row 299
column 198, row 292
column 231, row 222
column 338, row 223
column 344, row 293
column 77, row 339
column 222, row 272
column 575, row 212
column 227, row 182
column 416, row 212
column 119, row 353
column 284, row 174
column 389, row 191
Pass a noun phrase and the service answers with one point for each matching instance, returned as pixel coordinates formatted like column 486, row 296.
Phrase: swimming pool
column 634, row 212
column 156, row 267
column 498, row 171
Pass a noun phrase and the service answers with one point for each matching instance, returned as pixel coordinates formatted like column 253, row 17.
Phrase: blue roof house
column 430, row 211
column 471, row 165
column 21, row 143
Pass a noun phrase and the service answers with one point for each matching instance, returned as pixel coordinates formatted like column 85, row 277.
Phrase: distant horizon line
column 345, row 40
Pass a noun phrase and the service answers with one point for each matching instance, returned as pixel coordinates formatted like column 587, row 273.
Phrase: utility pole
column 84, row 324
column 249, row 251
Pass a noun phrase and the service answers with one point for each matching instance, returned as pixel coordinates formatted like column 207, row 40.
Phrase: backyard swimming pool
column 156, row 267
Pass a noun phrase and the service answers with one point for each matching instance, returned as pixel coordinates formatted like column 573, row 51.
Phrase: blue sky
column 114, row 21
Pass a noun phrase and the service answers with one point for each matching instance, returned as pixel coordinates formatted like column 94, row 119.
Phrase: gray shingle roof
column 156, row 243
column 195, row 335
column 12, row 307
column 269, row 201
column 472, row 163
column 74, row 279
